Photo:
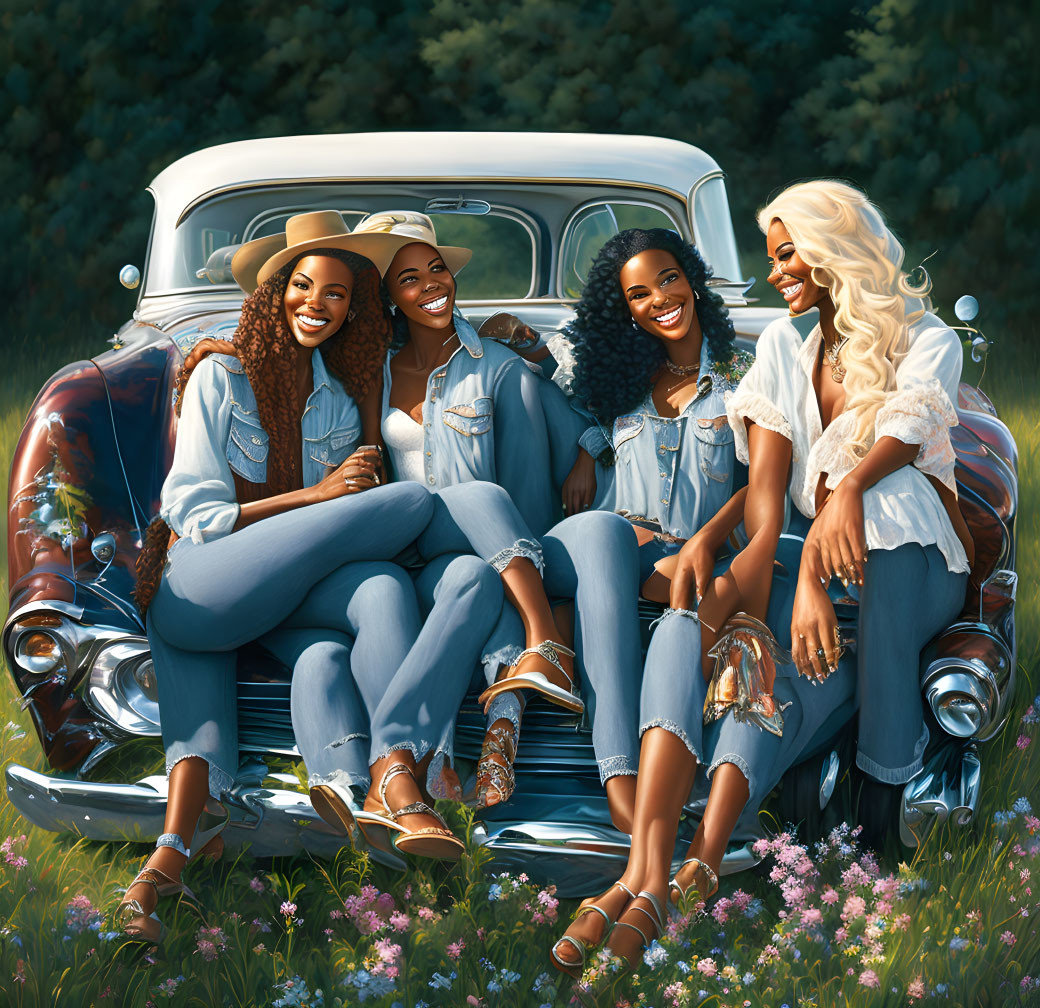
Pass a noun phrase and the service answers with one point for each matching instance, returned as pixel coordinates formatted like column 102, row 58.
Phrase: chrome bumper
column 579, row 860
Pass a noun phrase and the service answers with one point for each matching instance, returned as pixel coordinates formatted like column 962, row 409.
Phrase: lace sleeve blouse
column 777, row 393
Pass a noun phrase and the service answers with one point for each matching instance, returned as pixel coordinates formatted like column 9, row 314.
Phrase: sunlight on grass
column 818, row 926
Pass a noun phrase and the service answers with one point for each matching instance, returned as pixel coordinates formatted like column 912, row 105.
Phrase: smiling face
column 658, row 294
column 421, row 286
column 789, row 273
column 317, row 299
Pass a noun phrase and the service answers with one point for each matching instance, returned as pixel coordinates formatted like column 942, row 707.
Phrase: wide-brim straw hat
column 257, row 260
column 412, row 226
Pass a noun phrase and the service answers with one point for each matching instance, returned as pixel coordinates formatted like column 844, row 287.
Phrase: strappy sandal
column 681, row 892
column 656, row 918
column 539, row 682
column 495, row 767
column 583, row 948
column 434, row 842
column 130, row 917
column 335, row 804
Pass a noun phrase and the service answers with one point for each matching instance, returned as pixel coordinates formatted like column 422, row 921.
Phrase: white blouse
column 404, row 441
column 777, row 393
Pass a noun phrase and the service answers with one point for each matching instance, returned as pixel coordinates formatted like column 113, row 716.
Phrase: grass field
column 819, row 926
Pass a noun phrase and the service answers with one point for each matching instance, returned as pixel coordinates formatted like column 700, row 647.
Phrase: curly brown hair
column 268, row 352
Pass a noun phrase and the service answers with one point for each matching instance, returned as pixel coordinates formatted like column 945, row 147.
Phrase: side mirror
column 966, row 308
column 129, row 276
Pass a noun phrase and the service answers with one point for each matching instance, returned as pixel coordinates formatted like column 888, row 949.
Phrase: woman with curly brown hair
column 264, row 526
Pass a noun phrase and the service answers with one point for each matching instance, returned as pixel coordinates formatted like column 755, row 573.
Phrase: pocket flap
column 249, row 438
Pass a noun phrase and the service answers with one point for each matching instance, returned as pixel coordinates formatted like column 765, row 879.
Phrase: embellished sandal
column 430, row 841
column 539, row 682
column 130, row 917
column 656, row 919
column 583, row 948
column 681, row 892
column 495, row 768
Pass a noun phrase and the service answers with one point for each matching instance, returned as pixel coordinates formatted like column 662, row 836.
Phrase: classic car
column 99, row 438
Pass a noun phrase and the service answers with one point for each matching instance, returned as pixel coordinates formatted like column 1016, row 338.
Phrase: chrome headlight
column 122, row 686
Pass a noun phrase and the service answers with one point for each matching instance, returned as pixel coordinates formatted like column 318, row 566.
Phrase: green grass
column 234, row 949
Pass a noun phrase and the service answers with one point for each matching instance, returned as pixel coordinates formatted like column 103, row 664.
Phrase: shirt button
column 429, row 454
column 432, row 479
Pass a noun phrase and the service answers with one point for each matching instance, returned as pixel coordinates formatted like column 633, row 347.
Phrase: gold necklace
column 830, row 355
column 682, row 370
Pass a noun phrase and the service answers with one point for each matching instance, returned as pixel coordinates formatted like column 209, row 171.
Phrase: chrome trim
column 113, row 692
column 946, row 788
column 828, row 778
column 1002, row 578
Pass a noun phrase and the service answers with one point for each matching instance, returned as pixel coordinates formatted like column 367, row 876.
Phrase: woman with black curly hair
column 272, row 520
column 655, row 359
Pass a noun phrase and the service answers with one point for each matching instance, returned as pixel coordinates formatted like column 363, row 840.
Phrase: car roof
column 467, row 156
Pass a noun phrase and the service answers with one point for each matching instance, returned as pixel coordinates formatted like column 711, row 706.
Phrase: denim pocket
column 335, row 447
column 715, row 437
column 627, row 427
column 247, row 447
column 470, row 419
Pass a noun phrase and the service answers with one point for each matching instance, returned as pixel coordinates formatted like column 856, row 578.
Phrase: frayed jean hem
column 676, row 730
column 526, row 549
column 220, row 781
column 344, row 778
column 740, row 763
column 616, row 766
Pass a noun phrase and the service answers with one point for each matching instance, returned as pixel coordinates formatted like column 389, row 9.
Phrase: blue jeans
column 908, row 596
column 218, row 595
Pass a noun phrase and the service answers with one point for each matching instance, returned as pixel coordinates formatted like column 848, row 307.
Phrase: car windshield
column 503, row 240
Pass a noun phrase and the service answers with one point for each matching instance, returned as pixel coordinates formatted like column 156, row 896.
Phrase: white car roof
column 563, row 157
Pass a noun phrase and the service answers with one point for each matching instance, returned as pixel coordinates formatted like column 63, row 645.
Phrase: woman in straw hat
column 458, row 409
column 272, row 519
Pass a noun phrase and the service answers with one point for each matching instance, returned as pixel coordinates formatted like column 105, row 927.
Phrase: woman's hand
column 361, row 471
column 814, row 629
column 206, row 346
column 836, row 544
column 692, row 574
column 579, row 488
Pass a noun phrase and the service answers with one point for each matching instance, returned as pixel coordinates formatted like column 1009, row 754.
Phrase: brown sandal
column 430, row 841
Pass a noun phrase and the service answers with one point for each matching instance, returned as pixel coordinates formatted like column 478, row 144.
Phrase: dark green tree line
column 926, row 104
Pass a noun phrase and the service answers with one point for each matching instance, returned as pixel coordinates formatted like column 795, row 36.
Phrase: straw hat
column 411, row 226
column 255, row 261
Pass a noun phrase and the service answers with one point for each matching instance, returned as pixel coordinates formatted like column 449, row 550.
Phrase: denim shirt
column 483, row 420
column 220, row 431
column 678, row 471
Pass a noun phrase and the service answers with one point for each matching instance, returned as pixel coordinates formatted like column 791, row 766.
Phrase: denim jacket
column 678, row 471
column 483, row 420
column 220, row 431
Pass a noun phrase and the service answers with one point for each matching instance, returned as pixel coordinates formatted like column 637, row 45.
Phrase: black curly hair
column 615, row 360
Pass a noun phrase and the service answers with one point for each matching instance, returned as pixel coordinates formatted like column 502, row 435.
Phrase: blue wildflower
column 1022, row 806
column 296, row 995
column 655, row 955
column 443, row 982
column 754, row 909
column 683, row 967
column 957, row 943
column 747, row 979
column 368, row 985
column 494, row 892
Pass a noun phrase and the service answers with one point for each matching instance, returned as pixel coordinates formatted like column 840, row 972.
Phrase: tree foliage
column 924, row 103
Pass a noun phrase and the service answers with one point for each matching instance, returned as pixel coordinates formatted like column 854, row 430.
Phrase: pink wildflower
column 915, row 989
column 1008, row 939
column 425, row 913
column 288, row 909
column 884, row 907
column 840, row 935
column 902, row 922
column 455, row 949
column 760, row 848
column 811, row 916
column 855, row 906
column 708, row 967
column 399, row 921
column 473, row 1001
column 830, row 896
column 1023, row 741
column 804, row 866
column 335, row 914
column 1032, row 823
column 256, row 884
column 868, row 978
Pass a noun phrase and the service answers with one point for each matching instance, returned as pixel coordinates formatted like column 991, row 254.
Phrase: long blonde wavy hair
column 840, row 234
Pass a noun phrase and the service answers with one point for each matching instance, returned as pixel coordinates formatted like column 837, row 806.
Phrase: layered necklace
column 830, row 356
column 682, row 370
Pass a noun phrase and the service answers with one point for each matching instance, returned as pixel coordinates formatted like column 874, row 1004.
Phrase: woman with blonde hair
column 854, row 396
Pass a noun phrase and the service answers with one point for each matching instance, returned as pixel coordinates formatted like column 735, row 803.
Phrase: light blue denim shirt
column 678, row 471
column 220, row 431
column 483, row 420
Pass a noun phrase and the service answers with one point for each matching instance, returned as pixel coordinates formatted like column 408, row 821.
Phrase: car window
column 198, row 254
column 590, row 228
